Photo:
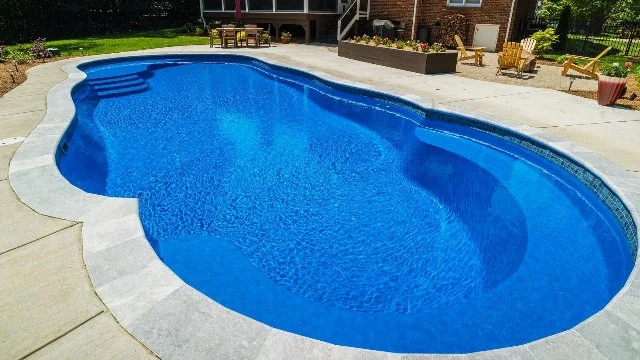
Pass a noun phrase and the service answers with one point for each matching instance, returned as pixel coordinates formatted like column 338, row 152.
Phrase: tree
column 563, row 28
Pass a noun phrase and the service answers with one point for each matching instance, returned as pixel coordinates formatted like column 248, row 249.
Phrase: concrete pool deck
column 51, row 309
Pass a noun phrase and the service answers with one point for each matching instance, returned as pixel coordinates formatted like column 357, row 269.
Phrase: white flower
column 615, row 64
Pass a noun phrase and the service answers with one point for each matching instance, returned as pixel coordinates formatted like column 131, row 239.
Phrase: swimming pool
column 345, row 216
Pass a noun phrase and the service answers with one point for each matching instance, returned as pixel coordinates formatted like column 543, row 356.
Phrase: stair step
column 116, row 85
column 112, row 79
column 123, row 91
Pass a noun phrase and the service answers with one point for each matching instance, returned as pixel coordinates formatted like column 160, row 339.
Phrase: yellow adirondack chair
column 478, row 52
column 591, row 69
column 528, row 45
column 511, row 58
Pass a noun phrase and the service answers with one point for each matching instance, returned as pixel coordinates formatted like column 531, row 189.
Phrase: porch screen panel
column 290, row 5
column 230, row 5
column 261, row 5
column 213, row 5
column 323, row 5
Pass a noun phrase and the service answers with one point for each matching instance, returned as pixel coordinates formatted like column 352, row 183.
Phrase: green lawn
column 122, row 42
column 605, row 60
column 596, row 46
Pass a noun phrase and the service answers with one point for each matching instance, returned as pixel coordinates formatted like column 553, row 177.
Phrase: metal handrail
column 341, row 33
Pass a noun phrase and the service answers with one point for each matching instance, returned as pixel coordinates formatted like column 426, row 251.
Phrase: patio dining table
column 236, row 31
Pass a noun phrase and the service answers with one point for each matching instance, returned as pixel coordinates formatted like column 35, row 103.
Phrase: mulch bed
column 19, row 76
column 632, row 87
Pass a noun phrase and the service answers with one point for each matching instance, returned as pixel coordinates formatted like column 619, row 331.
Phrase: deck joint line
column 38, row 239
column 62, row 335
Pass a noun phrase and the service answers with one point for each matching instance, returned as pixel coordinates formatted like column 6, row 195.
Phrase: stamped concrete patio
column 50, row 309
column 543, row 76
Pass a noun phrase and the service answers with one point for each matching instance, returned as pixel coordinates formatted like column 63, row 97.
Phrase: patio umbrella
column 238, row 12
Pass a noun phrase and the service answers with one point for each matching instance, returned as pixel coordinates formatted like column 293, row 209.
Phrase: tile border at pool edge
column 174, row 320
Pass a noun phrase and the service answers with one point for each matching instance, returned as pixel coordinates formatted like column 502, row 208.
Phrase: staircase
column 118, row 85
column 357, row 10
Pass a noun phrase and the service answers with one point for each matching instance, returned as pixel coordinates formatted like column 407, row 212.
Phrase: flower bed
column 405, row 55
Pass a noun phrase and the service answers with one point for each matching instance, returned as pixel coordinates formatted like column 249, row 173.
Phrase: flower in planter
column 366, row 39
column 387, row 42
column 376, row 40
column 615, row 70
column 400, row 44
column 285, row 35
column 357, row 39
column 424, row 47
column 437, row 47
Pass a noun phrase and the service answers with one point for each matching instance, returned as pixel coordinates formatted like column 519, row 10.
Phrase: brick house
column 335, row 19
column 429, row 12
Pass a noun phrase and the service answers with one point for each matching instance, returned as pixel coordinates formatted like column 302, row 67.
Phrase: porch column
column 277, row 26
column 307, row 31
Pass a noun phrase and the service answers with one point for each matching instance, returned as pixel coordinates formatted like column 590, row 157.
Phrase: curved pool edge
column 174, row 320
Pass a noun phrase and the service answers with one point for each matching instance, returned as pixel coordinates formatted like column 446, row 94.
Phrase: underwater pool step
column 113, row 79
column 117, row 85
column 130, row 90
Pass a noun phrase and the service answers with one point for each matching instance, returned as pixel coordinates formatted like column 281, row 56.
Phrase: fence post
column 632, row 27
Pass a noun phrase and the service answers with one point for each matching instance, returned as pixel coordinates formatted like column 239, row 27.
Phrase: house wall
column 430, row 11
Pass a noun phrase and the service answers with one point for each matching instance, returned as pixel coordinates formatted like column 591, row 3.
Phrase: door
column 486, row 35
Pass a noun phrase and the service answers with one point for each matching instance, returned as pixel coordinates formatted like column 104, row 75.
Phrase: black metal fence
column 590, row 37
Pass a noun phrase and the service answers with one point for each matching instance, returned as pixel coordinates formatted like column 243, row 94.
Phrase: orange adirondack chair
column 591, row 69
column 511, row 58
column 478, row 52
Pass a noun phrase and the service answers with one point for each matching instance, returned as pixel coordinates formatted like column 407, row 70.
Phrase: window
column 213, row 5
column 230, row 5
column 469, row 3
column 323, row 5
column 261, row 5
column 289, row 5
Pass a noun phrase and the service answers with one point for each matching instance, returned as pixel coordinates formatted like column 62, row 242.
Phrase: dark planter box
column 423, row 63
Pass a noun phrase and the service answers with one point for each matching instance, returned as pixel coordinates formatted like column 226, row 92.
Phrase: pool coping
column 176, row 321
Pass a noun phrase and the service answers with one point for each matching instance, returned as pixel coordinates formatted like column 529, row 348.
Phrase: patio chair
column 511, row 58
column 478, row 52
column 528, row 45
column 266, row 35
column 591, row 69
column 228, row 34
column 251, row 35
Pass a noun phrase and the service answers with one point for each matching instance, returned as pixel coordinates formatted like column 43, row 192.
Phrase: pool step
column 113, row 79
column 130, row 90
column 118, row 86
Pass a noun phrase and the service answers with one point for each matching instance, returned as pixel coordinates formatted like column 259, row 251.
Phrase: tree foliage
column 605, row 10
column 24, row 20
column 563, row 28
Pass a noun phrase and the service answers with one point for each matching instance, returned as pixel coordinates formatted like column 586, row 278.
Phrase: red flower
column 628, row 64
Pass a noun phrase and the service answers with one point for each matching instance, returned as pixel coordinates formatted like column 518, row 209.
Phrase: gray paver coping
column 176, row 321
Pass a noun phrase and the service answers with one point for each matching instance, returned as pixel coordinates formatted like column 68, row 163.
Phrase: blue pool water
column 347, row 218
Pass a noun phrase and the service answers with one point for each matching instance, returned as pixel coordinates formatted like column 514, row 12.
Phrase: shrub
column 188, row 28
column 199, row 31
column 39, row 49
column 616, row 70
column 287, row 35
column 563, row 28
column 561, row 59
column 19, row 56
column 544, row 41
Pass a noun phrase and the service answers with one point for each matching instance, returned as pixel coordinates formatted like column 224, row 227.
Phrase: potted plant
column 611, row 82
column 285, row 37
